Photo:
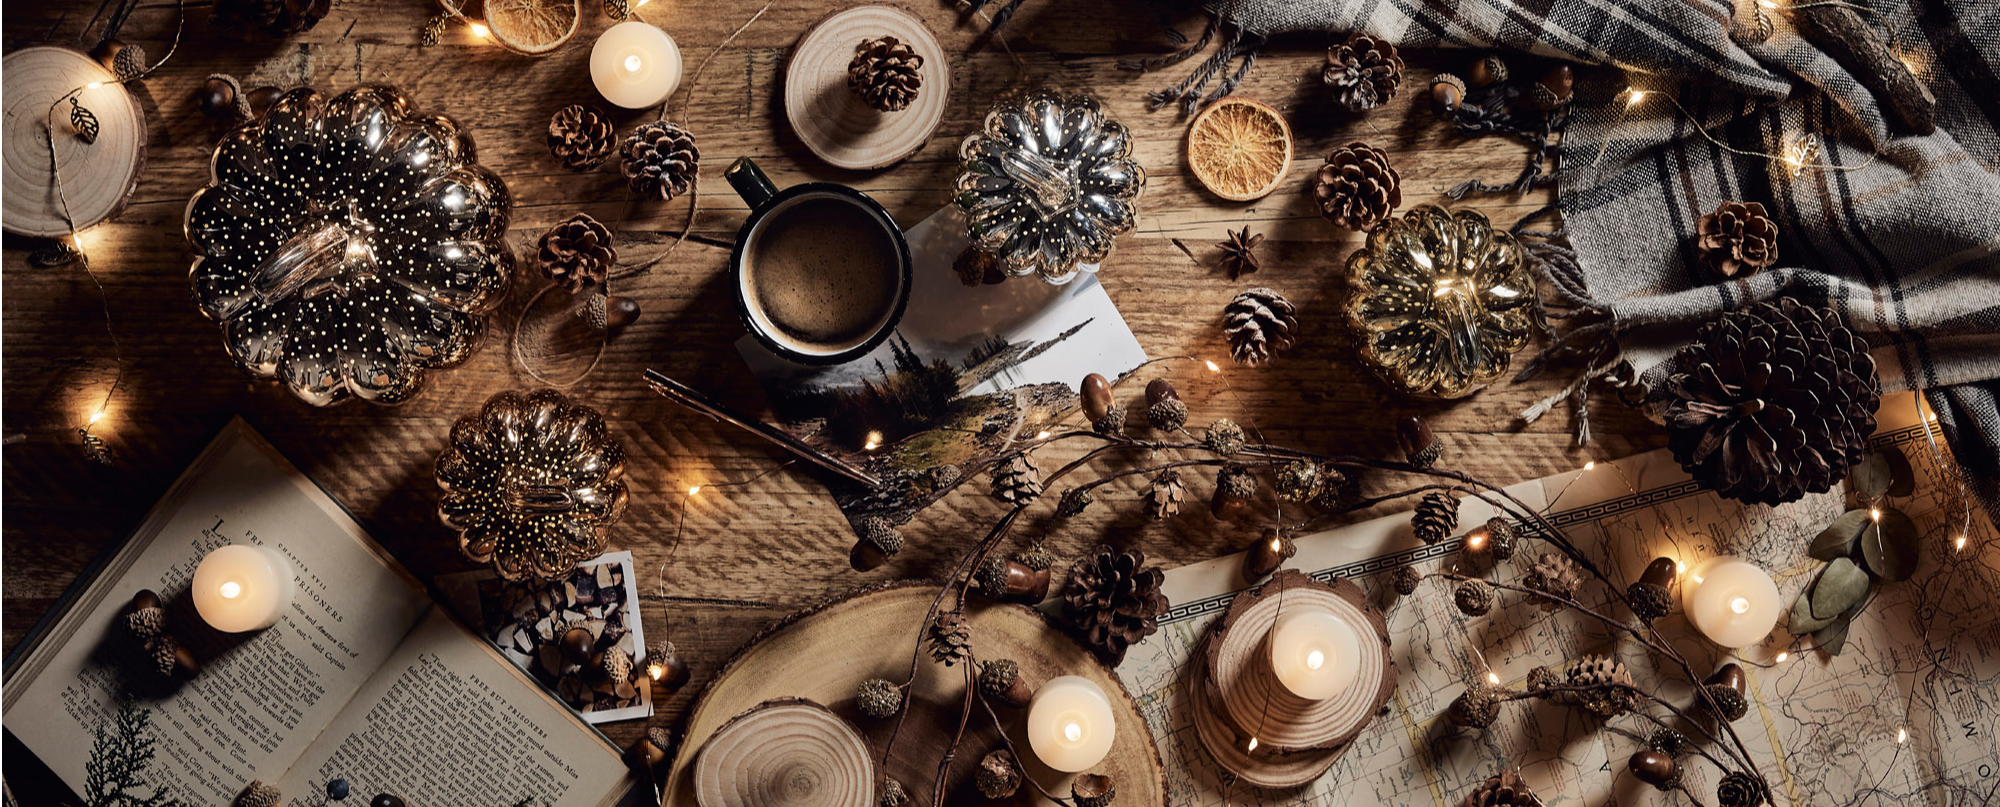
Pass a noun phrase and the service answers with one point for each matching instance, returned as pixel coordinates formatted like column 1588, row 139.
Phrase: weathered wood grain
column 722, row 565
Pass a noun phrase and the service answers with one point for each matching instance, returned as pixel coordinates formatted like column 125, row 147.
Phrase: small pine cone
column 1167, row 415
column 1258, row 323
column 1649, row 602
column 1670, row 742
column 617, row 664
column 258, row 794
column 1476, row 708
column 1556, row 575
column 1017, row 481
column 146, row 623
column 1503, row 789
column 1092, row 790
column 1112, row 423
column 1541, row 678
column 1299, row 481
column 433, row 30
column 997, row 676
column 1406, row 580
column 577, row 253
column 1164, row 497
column 581, row 137
column 1614, row 696
column 951, row 638
column 1365, row 71
column 1224, row 437
column 892, row 794
column 1737, row 240
column 1504, row 538
column 1036, row 556
column 1435, row 518
column 1074, row 501
column 660, row 161
column 1739, row 789
column 998, row 775
column 1474, row 598
column 879, row 698
column 1731, row 703
column 885, row 73
column 1357, row 188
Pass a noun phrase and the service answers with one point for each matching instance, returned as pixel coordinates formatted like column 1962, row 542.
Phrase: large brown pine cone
column 660, row 161
column 1435, row 518
column 1615, row 698
column 1017, row 481
column 1503, row 789
column 577, row 253
column 581, row 137
column 1113, row 598
column 1257, row 323
column 885, row 73
column 278, row 18
column 1737, row 239
column 1357, row 188
column 1365, row 71
column 1772, row 402
column 1738, row 789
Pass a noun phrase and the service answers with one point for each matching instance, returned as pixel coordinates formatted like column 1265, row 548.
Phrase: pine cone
column 1357, row 188
column 1737, row 239
column 1436, row 517
column 258, row 794
column 1473, row 598
column 1772, row 402
column 892, row 794
column 1739, row 790
column 278, row 18
column 1299, row 481
column 885, row 73
column 577, row 253
column 951, row 638
column 1017, row 481
column 1556, row 575
column 1476, row 708
column 660, row 161
column 1365, row 71
column 1239, row 256
column 1167, row 415
column 1610, row 701
column 581, row 137
column 1164, row 497
column 879, row 698
column 1406, row 580
column 1503, row 789
column 1258, row 323
column 1224, row 437
column 1114, row 600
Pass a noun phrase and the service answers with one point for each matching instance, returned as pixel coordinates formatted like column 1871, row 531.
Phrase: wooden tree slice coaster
column 97, row 177
column 783, row 752
column 824, row 654
column 1243, row 698
column 1258, row 768
column 839, row 127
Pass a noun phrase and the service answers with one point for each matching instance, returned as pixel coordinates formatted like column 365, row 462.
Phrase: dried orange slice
column 533, row 27
column 1239, row 149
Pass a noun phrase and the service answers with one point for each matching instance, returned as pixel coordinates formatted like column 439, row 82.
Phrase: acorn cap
column 878, row 698
column 1475, row 708
column 1728, row 688
column 1167, row 414
column 1092, row 790
column 998, row 775
column 1447, row 93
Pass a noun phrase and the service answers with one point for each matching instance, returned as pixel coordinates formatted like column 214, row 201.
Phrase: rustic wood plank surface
column 750, row 553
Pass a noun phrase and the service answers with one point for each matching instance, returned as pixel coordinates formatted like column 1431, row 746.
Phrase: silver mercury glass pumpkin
column 1047, row 183
column 349, row 244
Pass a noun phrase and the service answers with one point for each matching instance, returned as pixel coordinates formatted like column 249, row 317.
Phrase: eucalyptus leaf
column 1802, row 620
column 1890, row 546
column 1841, row 586
column 1870, row 477
column 1833, row 637
column 1902, row 478
column 1837, row 540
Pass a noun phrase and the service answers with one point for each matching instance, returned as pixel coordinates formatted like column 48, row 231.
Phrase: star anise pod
column 1239, row 257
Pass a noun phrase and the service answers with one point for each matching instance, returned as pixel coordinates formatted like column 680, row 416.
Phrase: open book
column 361, row 679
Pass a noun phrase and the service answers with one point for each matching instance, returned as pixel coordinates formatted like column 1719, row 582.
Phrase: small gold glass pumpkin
column 1439, row 301
column 532, row 483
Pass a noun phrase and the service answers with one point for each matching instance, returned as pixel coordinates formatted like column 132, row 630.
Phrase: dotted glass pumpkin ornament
column 1440, row 302
column 348, row 244
column 1047, row 184
column 532, row 483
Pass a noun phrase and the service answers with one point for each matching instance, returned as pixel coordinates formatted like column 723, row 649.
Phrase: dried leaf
column 1890, row 546
column 1902, row 478
column 1840, row 586
column 1870, row 477
column 83, row 121
column 1838, row 539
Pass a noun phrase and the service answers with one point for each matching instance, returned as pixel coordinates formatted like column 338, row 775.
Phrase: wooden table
column 757, row 551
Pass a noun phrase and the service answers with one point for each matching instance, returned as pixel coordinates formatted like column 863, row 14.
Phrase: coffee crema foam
column 824, row 272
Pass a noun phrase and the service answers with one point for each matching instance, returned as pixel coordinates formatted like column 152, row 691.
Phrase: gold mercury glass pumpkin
column 1440, row 301
column 532, row 483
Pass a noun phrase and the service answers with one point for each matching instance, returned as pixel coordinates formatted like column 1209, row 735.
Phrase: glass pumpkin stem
column 1053, row 188
column 521, row 498
column 303, row 259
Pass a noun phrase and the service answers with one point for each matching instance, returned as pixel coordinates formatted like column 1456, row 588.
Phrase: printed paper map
column 1923, row 658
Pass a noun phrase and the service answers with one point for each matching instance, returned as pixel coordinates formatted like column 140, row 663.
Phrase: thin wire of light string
column 521, row 321
column 1702, row 129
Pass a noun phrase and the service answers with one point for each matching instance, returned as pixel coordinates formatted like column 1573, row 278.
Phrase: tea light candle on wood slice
column 1070, row 725
column 1732, row 602
column 241, row 588
column 635, row 65
column 1314, row 653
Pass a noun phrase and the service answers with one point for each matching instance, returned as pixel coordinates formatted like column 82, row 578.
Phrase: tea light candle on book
column 1730, row 601
column 240, row 588
column 1315, row 655
column 1070, row 724
column 635, row 65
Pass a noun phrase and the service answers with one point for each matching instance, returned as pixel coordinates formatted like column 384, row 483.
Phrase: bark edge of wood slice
column 98, row 177
column 838, row 127
column 785, row 752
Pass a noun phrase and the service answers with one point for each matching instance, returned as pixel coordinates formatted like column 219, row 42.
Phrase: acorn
column 1656, row 769
column 1649, row 597
column 998, row 775
column 1487, row 69
column 1096, row 396
column 261, row 99
column 577, row 644
column 879, row 698
column 1001, row 680
column 1004, row 579
column 1447, row 92
column 1092, row 790
column 1235, row 485
column 643, row 754
column 217, row 97
column 1267, row 555
column 106, row 53
column 665, row 667
column 1553, row 90
column 1419, row 444
column 1164, row 409
column 1728, row 690
column 619, row 312
column 879, row 541
column 172, row 660
column 1475, row 708
column 386, row 800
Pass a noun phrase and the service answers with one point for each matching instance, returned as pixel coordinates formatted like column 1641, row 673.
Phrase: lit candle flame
column 632, row 63
column 230, row 590
column 1315, row 660
column 1739, row 605
column 1073, row 732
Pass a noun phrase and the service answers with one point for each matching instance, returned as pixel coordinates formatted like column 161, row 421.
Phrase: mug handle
column 750, row 182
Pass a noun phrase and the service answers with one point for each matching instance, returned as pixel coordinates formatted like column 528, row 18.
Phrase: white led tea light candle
column 1070, row 726
column 635, row 65
column 241, row 588
column 1314, row 653
column 1730, row 601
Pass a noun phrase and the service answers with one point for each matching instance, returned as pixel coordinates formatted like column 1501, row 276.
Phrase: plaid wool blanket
column 1894, row 224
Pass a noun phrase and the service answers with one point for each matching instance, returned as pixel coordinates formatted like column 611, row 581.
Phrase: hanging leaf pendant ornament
column 83, row 121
